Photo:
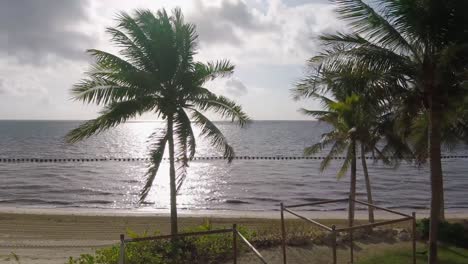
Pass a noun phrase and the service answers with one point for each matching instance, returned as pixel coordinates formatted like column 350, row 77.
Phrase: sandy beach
column 52, row 236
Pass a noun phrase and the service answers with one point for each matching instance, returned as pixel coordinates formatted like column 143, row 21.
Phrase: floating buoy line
column 53, row 160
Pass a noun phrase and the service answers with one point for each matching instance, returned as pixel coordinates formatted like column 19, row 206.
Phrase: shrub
column 451, row 233
column 207, row 249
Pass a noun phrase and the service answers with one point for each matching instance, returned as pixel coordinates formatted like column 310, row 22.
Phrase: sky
column 43, row 43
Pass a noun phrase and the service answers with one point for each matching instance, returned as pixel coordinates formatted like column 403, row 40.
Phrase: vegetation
column 156, row 73
column 416, row 52
column 455, row 234
column 447, row 255
column 215, row 248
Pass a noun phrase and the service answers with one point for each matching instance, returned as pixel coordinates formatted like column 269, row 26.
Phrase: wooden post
column 234, row 242
column 351, row 247
column 350, row 224
column 333, row 241
column 122, row 249
column 414, row 237
column 283, row 234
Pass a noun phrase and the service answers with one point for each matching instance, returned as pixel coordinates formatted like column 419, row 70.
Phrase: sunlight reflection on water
column 211, row 184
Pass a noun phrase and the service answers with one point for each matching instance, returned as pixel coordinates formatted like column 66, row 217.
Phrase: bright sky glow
column 42, row 46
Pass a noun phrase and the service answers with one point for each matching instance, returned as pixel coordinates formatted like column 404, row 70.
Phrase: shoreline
column 39, row 235
column 204, row 213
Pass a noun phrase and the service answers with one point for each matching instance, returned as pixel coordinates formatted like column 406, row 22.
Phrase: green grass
column 447, row 255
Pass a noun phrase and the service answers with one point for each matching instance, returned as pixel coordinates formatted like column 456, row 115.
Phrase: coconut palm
column 420, row 48
column 343, row 116
column 156, row 73
column 373, row 123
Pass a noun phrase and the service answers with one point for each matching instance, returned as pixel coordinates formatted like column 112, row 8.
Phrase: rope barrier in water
column 80, row 160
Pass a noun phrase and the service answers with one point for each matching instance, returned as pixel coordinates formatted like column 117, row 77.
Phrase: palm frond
column 131, row 49
column 210, row 131
column 315, row 113
column 212, row 70
column 366, row 21
column 112, row 115
column 186, row 145
column 157, row 152
column 337, row 148
column 137, row 45
column 327, row 139
column 351, row 40
column 100, row 91
column 186, row 42
column 347, row 161
column 143, row 82
column 160, row 30
column 370, row 57
column 223, row 106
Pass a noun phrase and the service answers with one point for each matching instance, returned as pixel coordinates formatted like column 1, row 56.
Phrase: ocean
column 243, row 185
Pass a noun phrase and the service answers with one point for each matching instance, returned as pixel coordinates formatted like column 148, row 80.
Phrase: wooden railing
column 334, row 230
column 233, row 230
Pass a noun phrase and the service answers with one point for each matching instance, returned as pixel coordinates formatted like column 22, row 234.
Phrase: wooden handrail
column 233, row 230
column 317, row 203
column 201, row 233
column 308, row 220
column 346, row 229
column 382, row 208
column 252, row 248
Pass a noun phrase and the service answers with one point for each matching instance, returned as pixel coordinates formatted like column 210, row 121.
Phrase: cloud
column 21, row 86
column 2, row 87
column 42, row 45
column 235, row 87
column 268, row 32
column 225, row 23
column 33, row 32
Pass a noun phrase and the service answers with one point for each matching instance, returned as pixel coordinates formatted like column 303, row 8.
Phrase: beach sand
column 52, row 236
column 49, row 236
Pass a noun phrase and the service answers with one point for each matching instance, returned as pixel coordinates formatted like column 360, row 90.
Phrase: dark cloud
column 223, row 23
column 235, row 87
column 33, row 31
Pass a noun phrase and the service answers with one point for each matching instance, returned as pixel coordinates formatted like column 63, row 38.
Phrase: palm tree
column 156, row 73
column 373, row 122
column 344, row 117
column 420, row 49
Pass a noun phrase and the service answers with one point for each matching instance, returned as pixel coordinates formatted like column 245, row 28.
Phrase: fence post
column 414, row 237
column 234, row 242
column 333, row 241
column 351, row 246
column 283, row 234
column 350, row 224
column 122, row 249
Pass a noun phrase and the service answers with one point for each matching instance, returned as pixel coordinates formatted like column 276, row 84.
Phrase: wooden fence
column 333, row 230
column 235, row 234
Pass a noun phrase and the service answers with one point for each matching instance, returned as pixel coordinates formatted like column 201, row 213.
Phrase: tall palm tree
column 343, row 116
column 374, row 125
column 156, row 73
column 420, row 47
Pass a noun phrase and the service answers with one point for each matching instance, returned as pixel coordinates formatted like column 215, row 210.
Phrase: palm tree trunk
column 352, row 187
column 352, row 196
column 436, row 179
column 172, row 175
column 442, row 203
column 368, row 184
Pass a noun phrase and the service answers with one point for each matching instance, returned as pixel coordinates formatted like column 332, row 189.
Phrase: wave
column 236, row 202
column 33, row 201
column 262, row 199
